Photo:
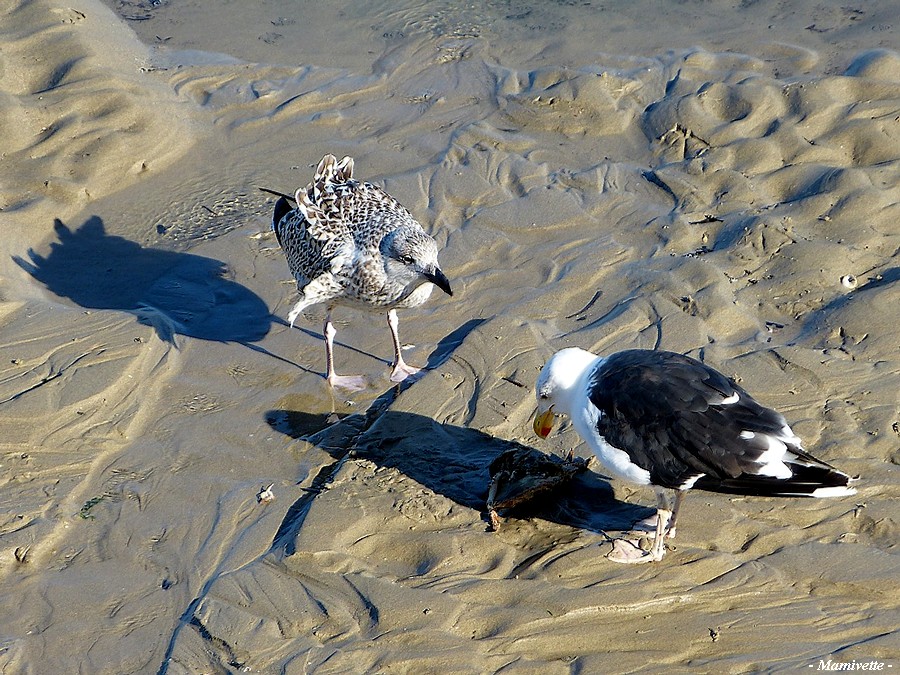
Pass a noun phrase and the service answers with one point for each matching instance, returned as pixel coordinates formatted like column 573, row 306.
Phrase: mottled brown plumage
column 350, row 243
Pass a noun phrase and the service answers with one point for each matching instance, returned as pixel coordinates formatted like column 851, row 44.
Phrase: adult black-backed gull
column 669, row 421
column 351, row 243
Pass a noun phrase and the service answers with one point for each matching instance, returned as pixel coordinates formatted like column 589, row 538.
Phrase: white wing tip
column 689, row 483
column 837, row 491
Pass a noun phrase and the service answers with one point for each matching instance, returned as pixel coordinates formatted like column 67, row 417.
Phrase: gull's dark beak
column 439, row 279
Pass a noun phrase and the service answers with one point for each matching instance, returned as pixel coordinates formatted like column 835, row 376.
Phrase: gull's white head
column 411, row 258
column 557, row 386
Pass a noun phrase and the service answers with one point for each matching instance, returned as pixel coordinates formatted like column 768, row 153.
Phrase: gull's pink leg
column 349, row 382
column 401, row 370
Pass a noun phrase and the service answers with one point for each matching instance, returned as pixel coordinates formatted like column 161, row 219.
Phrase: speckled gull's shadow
column 175, row 293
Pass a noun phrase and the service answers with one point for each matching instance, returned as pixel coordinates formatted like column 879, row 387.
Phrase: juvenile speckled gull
column 666, row 420
column 350, row 243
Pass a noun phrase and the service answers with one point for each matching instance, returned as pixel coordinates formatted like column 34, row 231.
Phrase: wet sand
column 698, row 177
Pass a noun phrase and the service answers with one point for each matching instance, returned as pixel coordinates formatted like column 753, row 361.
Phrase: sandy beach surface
column 715, row 178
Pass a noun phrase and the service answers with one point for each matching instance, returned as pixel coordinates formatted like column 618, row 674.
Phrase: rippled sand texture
column 592, row 180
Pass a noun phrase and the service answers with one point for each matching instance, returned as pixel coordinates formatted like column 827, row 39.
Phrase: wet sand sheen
column 592, row 179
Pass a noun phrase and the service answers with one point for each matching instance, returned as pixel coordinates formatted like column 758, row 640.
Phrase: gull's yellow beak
column 543, row 423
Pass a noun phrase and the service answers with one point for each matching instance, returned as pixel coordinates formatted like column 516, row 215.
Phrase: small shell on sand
column 848, row 281
column 266, row 495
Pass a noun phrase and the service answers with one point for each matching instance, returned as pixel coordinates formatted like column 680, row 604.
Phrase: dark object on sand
column 521, row 475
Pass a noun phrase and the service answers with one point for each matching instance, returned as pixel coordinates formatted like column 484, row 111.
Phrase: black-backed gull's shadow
column 176, row 293
column 448, row 460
